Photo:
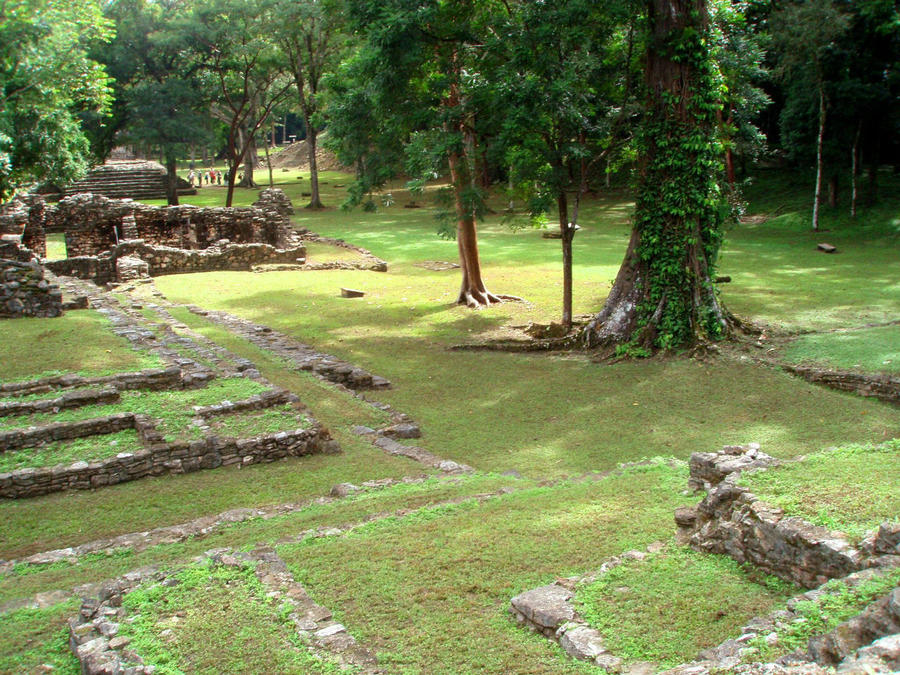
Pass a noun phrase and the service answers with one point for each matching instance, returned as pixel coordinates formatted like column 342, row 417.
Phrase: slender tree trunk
column 854, row 169
column 311, row 143
column 833, row 190
column 284, row 131
column 171, row 179
column 567, row 234
column 819, row 140
column 269, row 164
column 663, row 295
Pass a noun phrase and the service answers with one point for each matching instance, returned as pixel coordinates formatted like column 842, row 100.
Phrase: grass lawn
column 873, row 350
column 669, row 607
column 853, row 488
column 79, row 341
column 37, row 641
column 431, row 593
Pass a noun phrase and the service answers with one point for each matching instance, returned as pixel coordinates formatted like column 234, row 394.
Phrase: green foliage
column 46, row 80
column 673, row 604
column 839, row 603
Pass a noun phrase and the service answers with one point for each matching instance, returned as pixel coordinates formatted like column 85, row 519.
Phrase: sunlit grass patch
column 853, row 488
column 675, row 603
column 79, row 341
column 874, row 350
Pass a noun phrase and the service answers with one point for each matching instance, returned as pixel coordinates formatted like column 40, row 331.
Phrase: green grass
column 56, row 246
column 88, row 449
column 317, row 252
column 872, row 350
column 431, row 593
column 852, row 488
column 215, row 620
column 676, row 603
column 816, row 617
column 79, row 342
column 37, row 640
column 256, row 423
column 26, row 580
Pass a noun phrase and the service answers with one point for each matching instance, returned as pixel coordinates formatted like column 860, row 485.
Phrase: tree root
column 474, row 299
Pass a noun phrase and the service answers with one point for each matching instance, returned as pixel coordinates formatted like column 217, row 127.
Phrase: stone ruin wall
column 94, row 224
column 23, row 289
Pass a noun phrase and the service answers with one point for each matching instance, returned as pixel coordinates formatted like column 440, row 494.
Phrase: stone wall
column 165, row 458
column 163, row 260
column 152, row 379
column 15, row 439
column 731, row 520
column 884, row 387
column 94, row 224
column 70, row 399
column 25, row 292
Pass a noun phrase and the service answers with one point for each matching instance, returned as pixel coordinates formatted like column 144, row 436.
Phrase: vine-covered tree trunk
column 664, row 296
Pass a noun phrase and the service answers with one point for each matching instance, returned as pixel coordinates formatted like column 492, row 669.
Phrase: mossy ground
column 429, row 589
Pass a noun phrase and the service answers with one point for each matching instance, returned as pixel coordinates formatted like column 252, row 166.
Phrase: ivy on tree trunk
column 664, row 296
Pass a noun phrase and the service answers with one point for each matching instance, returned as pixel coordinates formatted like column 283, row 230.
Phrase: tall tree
column 46, row 79
column 564, row 81
column 414, row 74
column 158, row 80
column 245, row 68
column 309, row 33
column 664, row 295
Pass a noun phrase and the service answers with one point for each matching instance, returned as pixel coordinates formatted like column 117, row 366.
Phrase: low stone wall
column 731, row 520
column 25, row 292
column 162, row 260
column 162, row 458
column 266, row 399
column 151, row 379
column 60, row 431
column 883, row 387
column 70, row 399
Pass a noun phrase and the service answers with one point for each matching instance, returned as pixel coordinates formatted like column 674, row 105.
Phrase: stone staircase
column 133, row 179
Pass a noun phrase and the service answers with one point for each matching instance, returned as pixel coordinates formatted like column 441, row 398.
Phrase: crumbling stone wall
column 732, row 521
column 23, row 218
column 163, row 260
column 94, row 224
column 25, row 292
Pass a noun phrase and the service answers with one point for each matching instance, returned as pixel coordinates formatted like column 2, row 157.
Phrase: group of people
column 211, row 177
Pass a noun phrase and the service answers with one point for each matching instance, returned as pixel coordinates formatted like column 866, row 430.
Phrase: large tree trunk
column 251, row 158
column 664, row 296
column 171, row 179
column 311, row 133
